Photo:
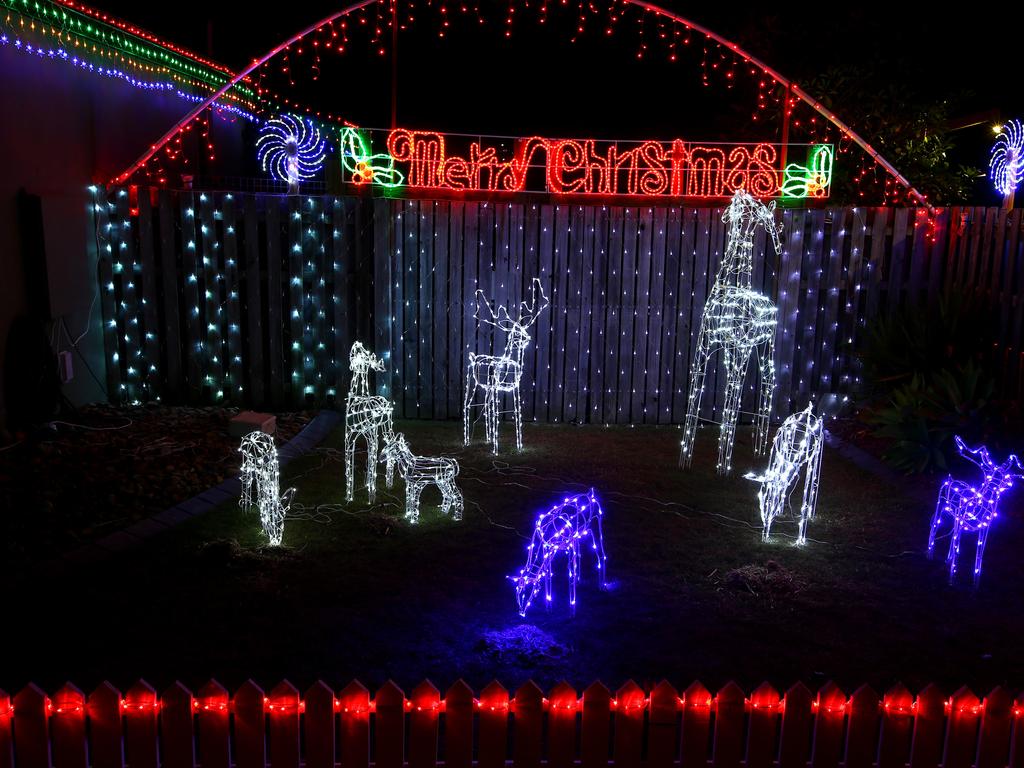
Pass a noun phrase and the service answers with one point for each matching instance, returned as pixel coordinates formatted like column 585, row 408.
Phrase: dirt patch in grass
column 109, row 467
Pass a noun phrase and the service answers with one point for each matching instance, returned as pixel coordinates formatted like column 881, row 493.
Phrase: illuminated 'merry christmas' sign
column 676, row 168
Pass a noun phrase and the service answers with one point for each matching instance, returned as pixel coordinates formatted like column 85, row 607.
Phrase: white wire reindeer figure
column 261, row 484
column 420, row 471
column 797, row 447
column 366, row 416
column 497, row 374
column 739, row 321
column 972, row 509
column 561, row 530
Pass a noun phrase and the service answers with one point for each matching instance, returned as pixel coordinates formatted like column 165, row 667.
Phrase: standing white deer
column 366, row 415
column 261, row 484
column 497, row 374
column 738, row 320
column 797, row 446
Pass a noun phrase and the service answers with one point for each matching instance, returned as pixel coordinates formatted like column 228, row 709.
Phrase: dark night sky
column 538, row 82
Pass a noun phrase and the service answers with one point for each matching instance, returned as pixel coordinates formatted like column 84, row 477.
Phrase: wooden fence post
column 961, row 730
column 6, row 740
column 796, row 727
column 354, row 710
column 926, row 746
column 562, row 709
column 1017, row 745
column 458, row 726
column 390, row 726
column 283, row 713
column 663, row 727
column 596, row 725
column 730, row 704
column 828, row 727
column 67, row 728
column 177, row 732
column 140, row 711
column 629, row 706
column 31, row 738
column 528, row 716
column 250, row 726
column 493, row 744
column 996, row 726
column 319, row 726
column 862, row 732
column 106, row 738
column 897, row 723
column 423, row 724
column 212, row 705
column 764, row 723
column 696, row 725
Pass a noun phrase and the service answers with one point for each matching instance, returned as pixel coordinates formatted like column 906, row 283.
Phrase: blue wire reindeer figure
column 561, row 530
column 972, row 509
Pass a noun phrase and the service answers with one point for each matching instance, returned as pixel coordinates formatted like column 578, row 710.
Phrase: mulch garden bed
column 108, row 467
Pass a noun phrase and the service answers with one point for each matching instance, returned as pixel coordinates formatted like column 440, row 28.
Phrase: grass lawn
column 357, row 592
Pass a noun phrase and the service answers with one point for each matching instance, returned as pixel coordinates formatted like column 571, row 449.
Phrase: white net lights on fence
column 261, row 484
column 420, row 471
column 500, row 374
column 366, row 416
column 561, row 530
column 739, row 321
column 797, row 447
column 972, row 508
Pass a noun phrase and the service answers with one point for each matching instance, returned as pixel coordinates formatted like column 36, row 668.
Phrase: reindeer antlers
column 529, row 311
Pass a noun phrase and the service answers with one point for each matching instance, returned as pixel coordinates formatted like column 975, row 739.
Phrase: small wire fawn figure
column 739, row 321
column 971, row 508
column 797, row 445
column 420, row 471
column 261, row 484
column 561, row 529
column 501, row 373
column 366, row 416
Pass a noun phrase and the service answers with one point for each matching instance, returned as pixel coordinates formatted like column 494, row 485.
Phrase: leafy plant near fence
column 927, row 377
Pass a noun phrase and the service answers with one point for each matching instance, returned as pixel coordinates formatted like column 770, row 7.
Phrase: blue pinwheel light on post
column 1006, row 163
column 561, row 530
column 291, row 149
column 972, row 508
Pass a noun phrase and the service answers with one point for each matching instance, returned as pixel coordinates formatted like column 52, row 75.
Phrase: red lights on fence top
column 628, row 702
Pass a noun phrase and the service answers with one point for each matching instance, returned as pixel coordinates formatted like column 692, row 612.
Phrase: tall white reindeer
column 797, row 447
column 738, row 320
column 497, row 374
column 366, row 416
column 261, row 484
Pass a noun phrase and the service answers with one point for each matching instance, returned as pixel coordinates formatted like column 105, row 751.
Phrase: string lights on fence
column 366, row 416
column 261, row 485
column 797, row 447
column 970, row 508
column 418, row 472
column 561, row 530
column 501, row 374
column 739, row 321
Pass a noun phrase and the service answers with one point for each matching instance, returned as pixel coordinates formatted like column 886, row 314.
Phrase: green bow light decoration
column 366, row 167
column 812, row 180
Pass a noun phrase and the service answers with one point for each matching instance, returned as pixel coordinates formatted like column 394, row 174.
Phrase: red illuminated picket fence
column 631, row 727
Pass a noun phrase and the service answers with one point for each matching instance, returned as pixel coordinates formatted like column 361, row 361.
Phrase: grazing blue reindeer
column 561, row 529
column 973, row 509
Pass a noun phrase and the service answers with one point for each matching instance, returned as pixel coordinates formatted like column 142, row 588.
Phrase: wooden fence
column 255, row 299
column 631, row 727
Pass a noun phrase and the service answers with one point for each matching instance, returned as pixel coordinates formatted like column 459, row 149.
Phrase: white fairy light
column 261, row 484
column 420, row 471
column 797, row 445
column 739, row 321
column 972, row 509
column 498, row 374
column 560, row 530
column 365, row 416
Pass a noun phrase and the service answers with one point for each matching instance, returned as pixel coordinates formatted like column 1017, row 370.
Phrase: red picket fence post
column 963, row 717
column 140, row 710
column 897, row 726
column 765, row 706
column 596, row 725
column 493, row 726
column 697, row 703
column 424, row 715
column 796, row 727
column 250, row 726
column 528, row 713
column 212, row 707
column 354, row 710
column 104, row 708
column 283, row 711
column 67, row 728
column 830, row 709
column 562, row 709
column 318, row 726
column 6, row 740
column 926, row 745
column 458, row 726
column 995, row 734
column 390, row 726
column 629, row 704
column 177, row 727
column 662, row 724
column 730, row 704
column 861, row 734
column 1017, row 744
column 31, row 739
